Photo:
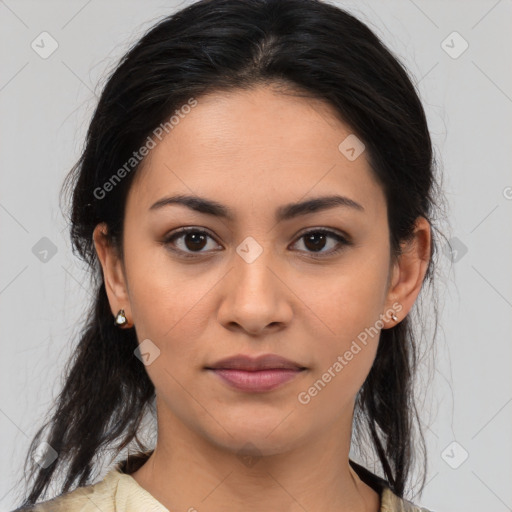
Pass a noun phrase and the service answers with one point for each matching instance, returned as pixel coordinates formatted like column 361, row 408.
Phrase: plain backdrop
column 458, row 52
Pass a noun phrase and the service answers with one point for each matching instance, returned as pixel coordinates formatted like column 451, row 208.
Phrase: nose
column 255, row 296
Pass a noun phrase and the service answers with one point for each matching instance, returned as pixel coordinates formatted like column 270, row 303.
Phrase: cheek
column 342, row 363
column 168, row 300
column 173, row 313
column 349, row 307
column 171, row 308
column 354, row 297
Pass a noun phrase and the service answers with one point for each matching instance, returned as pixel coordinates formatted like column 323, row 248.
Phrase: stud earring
column 120, row 318
column 394, row 317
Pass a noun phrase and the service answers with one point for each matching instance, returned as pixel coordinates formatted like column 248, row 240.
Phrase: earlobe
column 409, row 271
column 113, row 273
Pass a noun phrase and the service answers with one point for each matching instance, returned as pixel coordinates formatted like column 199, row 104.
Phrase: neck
column 186, row 472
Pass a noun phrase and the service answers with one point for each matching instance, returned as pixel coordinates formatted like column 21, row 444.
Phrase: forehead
column 256, row 148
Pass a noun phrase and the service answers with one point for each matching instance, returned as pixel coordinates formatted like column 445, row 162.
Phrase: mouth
column 259, row 374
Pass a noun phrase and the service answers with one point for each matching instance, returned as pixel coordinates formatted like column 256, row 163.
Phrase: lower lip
column 256, row 381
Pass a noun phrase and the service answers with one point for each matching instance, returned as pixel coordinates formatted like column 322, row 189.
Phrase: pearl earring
column 120, row 318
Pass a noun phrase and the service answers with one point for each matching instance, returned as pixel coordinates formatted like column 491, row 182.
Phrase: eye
column 190, row 241
column 317, row 239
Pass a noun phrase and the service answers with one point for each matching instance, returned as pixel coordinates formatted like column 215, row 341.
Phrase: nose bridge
column 255, row 297
column 252, row 264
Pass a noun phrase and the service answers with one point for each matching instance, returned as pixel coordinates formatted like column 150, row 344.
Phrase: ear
column 408, row 273
column 113, row 273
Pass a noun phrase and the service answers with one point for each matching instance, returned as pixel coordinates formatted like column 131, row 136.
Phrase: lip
column 248, row 363
column 256, row 381
column 263, row 373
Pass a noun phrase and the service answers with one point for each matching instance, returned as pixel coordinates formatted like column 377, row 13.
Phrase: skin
column 254, row 151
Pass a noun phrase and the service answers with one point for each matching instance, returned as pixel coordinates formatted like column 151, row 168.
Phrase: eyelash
column 343, row 241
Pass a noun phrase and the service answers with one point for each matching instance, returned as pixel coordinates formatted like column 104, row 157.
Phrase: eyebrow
column 286, row 212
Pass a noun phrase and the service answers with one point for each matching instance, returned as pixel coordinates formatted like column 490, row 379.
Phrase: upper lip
column 263, row 362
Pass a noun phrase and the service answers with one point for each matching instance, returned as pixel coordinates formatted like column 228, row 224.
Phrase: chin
column 256, row 434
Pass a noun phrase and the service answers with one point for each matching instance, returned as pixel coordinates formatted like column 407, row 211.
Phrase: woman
column 255, row 202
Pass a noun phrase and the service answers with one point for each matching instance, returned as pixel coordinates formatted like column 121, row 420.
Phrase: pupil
column 196, row 239
column 318, row 244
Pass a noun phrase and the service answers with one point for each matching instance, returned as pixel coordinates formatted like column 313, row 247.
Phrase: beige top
column 120, row 492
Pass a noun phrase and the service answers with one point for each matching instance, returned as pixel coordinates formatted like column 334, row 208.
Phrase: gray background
column 46, row 105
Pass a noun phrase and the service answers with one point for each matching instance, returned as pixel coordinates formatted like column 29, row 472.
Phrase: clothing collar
column 389, row 501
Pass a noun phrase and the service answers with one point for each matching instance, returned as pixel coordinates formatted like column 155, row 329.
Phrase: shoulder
column 90, row 498
column 117, row 491
column 390, row 502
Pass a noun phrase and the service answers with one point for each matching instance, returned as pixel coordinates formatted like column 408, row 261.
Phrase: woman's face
column 251, row 283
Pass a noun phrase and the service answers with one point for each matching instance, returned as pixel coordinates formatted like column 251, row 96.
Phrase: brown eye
column 188, row 241
column 194, row 241
column 316, row 240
